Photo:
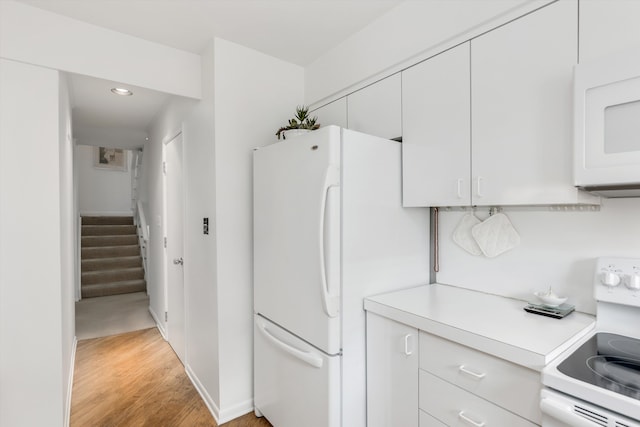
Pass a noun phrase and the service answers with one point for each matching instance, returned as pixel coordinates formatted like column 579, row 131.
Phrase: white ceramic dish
column 549, row 298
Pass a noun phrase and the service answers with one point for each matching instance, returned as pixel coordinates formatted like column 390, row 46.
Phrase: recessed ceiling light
column 121, row 91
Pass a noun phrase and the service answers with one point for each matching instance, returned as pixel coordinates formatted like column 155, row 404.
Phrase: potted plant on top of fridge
column 301, row 123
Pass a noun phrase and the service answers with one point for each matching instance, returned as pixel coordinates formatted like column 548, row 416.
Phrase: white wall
column 411, row 31
column 557, row 249
column 68, row 239
column 254, row 95
column 102, row 191
column 166, row 124
column 218, row 145
column 39, row 37
column 200, row 251
column 33, row 327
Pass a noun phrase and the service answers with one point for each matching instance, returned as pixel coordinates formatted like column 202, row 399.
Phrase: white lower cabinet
column 457, row 407
column 392, row 373
column 441, row 383
column 506, row 384
column 427, row 420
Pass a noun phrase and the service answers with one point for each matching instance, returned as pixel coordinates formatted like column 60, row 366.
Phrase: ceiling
column 297, row 31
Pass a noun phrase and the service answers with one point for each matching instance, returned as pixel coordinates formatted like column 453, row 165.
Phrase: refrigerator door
column 297, row 236
column 295, row 384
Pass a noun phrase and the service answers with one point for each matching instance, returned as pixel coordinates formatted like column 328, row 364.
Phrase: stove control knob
column 610, row 279
column 633, row 281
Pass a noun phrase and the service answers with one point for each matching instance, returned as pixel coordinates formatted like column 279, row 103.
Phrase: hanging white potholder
column 463, row 237
column 495, row 235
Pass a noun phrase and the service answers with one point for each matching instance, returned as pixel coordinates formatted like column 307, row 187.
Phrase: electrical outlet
column 205, row 225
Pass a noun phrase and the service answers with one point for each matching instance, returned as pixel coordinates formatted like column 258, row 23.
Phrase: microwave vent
column 614, row 191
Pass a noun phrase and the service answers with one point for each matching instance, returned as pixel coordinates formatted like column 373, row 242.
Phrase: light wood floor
column 135, row 379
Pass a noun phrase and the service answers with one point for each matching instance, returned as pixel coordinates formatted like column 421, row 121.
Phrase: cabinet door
column 608, row 27
column 521, row 109
column 436, row 151
column 392, row 373
column 334, row 113
column 376, row 109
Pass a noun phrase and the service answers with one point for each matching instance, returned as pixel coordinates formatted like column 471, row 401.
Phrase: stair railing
column 142, row 229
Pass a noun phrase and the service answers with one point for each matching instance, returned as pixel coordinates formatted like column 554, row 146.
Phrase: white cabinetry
column 608, row 27
column 521, row 109
column 474, row 366
column 507, row 385
column 436, row 149
column 439, row 382
column 376, row 109
column 392, row 373
column 494, row 127
column 334, row 113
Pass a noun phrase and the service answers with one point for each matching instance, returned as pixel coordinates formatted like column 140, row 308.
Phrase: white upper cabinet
column 436, row 149
column 608, row 27
column 334, row 113
column 376, row 109
column 489, row 122
column 521, row 109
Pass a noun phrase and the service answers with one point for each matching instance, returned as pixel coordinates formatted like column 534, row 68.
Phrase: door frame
column 165, row 229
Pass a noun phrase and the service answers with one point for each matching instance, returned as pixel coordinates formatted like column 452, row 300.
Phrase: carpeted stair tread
column 113, row 288
column 110, row 251
column 113, row 275
column 111, row 262
column 97, row 264
column 108, row 230
column 107, row 220
column 90, row 241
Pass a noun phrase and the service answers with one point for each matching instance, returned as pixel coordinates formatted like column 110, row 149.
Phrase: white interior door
column 174, row 206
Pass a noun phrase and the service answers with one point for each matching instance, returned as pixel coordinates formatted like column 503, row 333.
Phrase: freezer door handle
column 307, row 357
column 330, row 303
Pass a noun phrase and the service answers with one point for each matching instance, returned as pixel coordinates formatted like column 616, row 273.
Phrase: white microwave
column 607, row 126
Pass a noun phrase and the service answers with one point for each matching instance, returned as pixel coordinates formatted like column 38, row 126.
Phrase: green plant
column 300, row 121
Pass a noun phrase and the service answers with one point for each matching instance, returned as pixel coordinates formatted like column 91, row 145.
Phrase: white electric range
column 597, row 381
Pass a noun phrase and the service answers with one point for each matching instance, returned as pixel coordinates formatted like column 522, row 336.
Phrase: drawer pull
column 407, row 350
column 462, row 368
column 468, row 420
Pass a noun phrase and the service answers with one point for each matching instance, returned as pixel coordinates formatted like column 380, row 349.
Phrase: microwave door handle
column 563, row 412
column 307, row 357
column 329, row 302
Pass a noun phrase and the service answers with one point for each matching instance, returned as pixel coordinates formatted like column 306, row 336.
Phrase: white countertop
column 493, row 324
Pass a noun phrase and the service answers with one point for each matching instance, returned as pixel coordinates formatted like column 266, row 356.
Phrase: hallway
column 135, row 379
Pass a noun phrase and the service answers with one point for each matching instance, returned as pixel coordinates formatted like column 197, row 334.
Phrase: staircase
column 111, row 261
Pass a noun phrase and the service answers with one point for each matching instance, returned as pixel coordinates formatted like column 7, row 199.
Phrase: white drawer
column 427, row 420
column 511, row 386
column 458, row 408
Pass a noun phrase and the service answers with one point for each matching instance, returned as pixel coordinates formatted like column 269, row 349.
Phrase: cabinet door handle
column 407, row 350
column 479, row 186
column 459, row 190
column 468, row 420
column 476, row 375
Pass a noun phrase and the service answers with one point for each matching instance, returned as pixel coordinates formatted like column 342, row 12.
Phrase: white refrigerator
column 329, row 230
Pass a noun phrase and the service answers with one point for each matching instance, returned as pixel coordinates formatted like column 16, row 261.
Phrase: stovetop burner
column 609, row 361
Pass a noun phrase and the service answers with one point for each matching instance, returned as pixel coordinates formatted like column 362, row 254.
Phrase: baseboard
column 226, row 415
column 236, row 411
column 213, row 408
column 72, row 368
column 159, row 324
column 107, row 213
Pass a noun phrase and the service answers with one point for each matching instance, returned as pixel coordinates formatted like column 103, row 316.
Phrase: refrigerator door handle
column 307, row 357
column 330, row 303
